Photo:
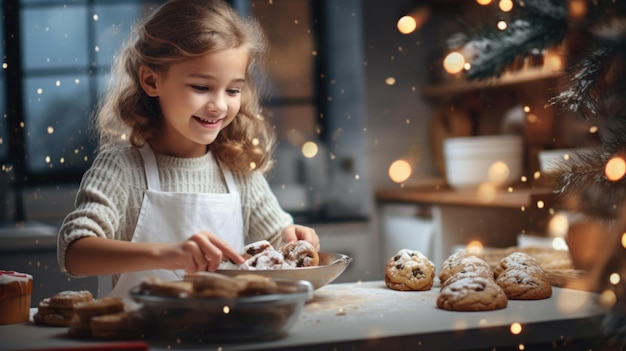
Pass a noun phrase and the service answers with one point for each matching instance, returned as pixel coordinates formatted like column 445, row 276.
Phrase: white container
column 552, row 160
column 472, row 161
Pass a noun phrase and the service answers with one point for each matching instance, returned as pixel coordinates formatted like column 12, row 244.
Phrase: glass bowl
column 266, row 316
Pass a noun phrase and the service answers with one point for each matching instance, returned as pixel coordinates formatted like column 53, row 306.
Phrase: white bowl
column 330, row 267
column 472, row 161
column 552, row 160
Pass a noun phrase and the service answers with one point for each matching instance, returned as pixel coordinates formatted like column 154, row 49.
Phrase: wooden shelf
column 517, row 198
column 461, row 86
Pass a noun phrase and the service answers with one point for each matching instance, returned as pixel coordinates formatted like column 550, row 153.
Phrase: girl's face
column 198, row 98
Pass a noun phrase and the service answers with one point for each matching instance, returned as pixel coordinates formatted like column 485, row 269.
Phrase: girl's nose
column 217, row 103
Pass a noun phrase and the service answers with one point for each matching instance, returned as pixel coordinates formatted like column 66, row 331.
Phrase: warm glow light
column 474, row 247
column 614, row 278
column 559, row 244
column 577, row 9
column 540, row 204
column 413, row 21
column 502, row 25
column 50, row 130
column 399, row 171
column 453, row 63
column 532, row 118
column 526, row 109
column 552, row 61
column 390, row 81
column 624, row 240
column 309, row 149
column 505, row 5
column 226, row 310
column 483, row 2
column 615, row 169
column 516, row 328
column 498, row 172
column 558, row 225
column 593, row 129
column 406, row 24
column 607, row 298
column 486, row 192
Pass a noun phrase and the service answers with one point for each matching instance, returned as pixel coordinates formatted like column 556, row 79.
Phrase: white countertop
column 368, row 315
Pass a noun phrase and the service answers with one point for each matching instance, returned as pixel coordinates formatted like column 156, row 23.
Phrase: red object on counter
column 124, row 346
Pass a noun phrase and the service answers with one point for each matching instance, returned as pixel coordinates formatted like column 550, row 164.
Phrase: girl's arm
column 100, row 256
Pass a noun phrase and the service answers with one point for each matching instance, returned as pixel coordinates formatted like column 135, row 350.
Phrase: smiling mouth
column 206, row 120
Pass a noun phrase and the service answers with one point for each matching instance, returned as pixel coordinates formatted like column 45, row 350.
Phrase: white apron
column 169, row 217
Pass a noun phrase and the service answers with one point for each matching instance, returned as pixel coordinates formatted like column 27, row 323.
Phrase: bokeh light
column 399, row 171
column 516, row 328
column 559, row 244
column 453, row 62
column 577, row 9
column 483, row 2
column 309, row 149
column 413, row 21
column 607, row 298
column 498, row 172
column 615, row 169
column 475, row 247
column 501, row 25
column 505, row 5
column 406, row 24
column 558, row 225
column 552, row 61
column 486, row 192
column 614, row 278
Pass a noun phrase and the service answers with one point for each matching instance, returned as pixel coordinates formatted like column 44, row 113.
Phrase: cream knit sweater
column 111, row 192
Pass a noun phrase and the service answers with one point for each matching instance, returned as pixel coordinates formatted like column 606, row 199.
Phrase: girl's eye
column 234, row 91
column 200, row 87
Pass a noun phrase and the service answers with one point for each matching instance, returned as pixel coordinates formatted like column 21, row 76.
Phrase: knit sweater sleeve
column 100, row 203
column 264, row 217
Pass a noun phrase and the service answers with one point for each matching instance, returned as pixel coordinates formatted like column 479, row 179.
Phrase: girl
column 189, row 191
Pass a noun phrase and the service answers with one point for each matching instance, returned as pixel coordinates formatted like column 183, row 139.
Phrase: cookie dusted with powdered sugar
column 525, row 283
column 472, row 294
column 300, row 253
column 465, row 264
column 409, row 270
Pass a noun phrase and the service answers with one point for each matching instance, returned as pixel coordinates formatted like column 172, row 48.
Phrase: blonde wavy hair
column 180, row 30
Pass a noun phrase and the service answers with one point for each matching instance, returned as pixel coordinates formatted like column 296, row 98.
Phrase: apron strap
column 230, row 180
column 151, row 169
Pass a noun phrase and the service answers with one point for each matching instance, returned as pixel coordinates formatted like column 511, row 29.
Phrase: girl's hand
column 296, row 232
column 202, row 251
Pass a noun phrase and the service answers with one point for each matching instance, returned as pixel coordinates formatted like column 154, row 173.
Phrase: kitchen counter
column 368, row 315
